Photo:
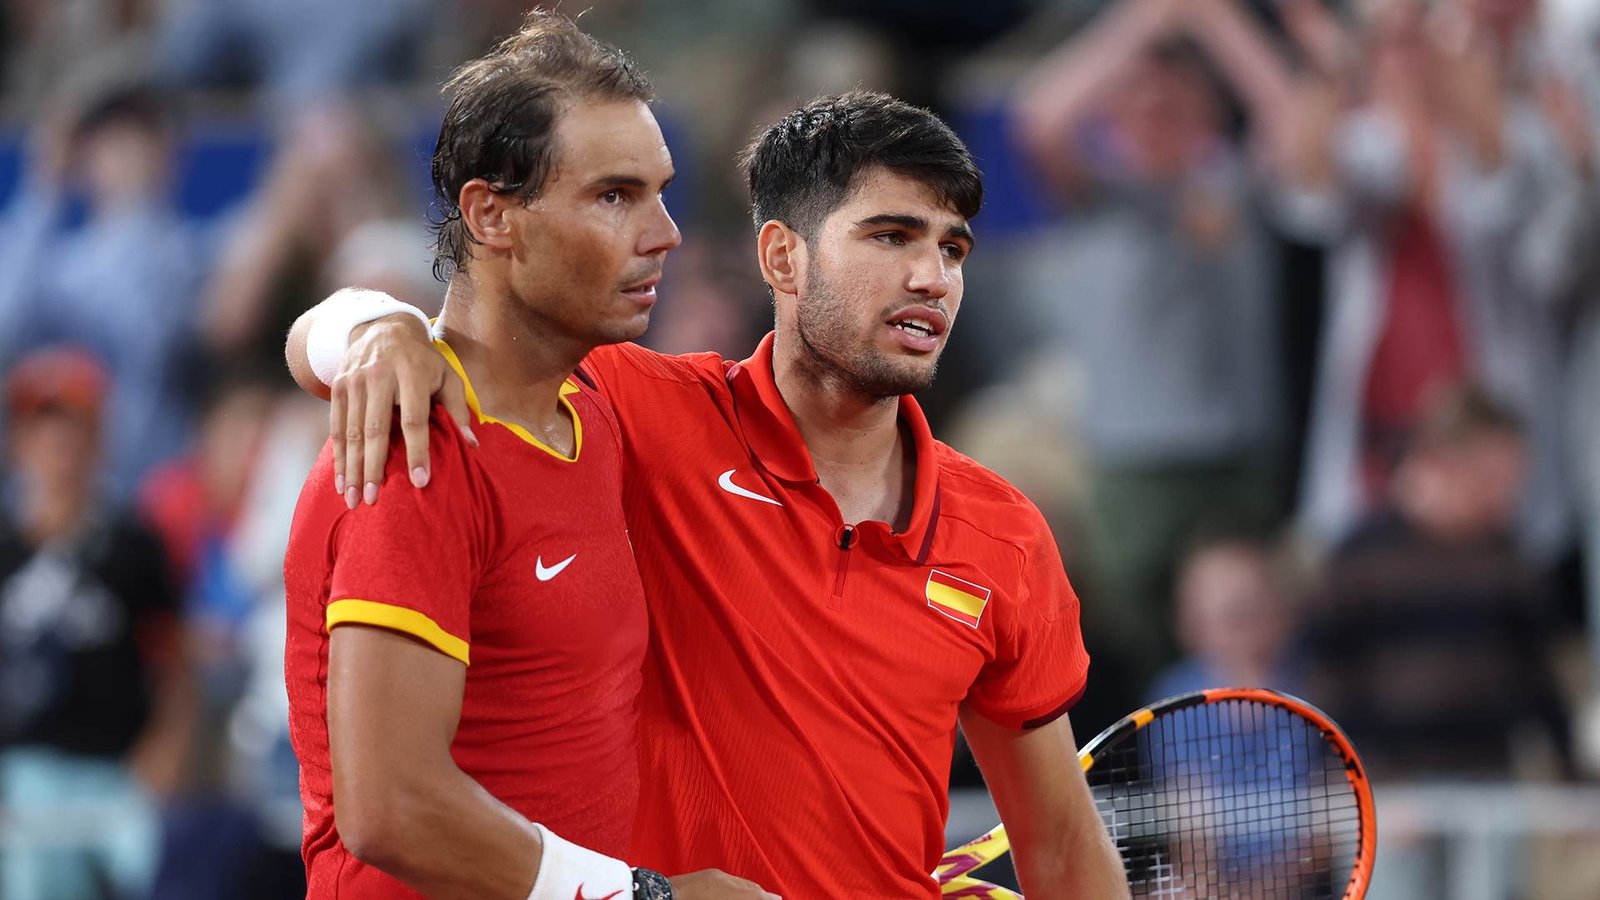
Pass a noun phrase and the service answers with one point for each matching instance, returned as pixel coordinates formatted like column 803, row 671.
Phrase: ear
column 781, row 251
column 483, row 211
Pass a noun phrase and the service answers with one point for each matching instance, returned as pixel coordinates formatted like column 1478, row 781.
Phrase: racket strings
column 1232, row 799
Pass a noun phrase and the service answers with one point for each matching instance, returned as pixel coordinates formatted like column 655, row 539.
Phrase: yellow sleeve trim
column 398, row 618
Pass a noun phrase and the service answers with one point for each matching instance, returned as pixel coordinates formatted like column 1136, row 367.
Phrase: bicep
column 393, row 706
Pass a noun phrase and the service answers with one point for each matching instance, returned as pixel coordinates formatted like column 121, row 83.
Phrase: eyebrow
column 633, row 181
column 918, row 224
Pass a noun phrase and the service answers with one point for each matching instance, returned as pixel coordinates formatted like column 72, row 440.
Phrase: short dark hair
column 1229, row 531
column 806, row 164
column 1463, row 413
column 500, row 123
column 140, row 104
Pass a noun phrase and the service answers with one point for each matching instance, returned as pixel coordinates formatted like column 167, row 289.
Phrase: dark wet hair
column 500, row 124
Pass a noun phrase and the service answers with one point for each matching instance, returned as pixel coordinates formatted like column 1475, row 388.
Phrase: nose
column 660, row 233
column 930, row 275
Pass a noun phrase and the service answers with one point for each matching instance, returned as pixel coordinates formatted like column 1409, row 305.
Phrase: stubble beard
column 824, row 323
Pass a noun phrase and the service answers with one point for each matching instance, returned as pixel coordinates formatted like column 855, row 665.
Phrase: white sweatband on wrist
column 567, row 871
column 329, row 336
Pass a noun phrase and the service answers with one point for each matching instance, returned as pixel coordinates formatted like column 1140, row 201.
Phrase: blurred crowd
column 1286, row 312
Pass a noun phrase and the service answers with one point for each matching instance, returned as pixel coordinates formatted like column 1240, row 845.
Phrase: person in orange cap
column 95, row 698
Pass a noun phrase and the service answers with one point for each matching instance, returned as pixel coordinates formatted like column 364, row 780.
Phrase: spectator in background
column 1429, row 640
column 1423, row 163
column 123, row 283
column 334, row 175
column 320, row 68
column 1234, row 620
column 45, row 42
column 298, row 51
column 95, row 695
column 1162, row 288
column 1237, row 627
column 224, row 511
column 1572, row 105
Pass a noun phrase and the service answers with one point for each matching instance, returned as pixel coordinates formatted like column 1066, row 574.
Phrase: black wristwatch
column 651, row 885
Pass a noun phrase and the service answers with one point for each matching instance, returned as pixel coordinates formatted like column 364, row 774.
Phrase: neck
column 515, row 361
column 52, row 512
column 113, row 204
column 1250, row 673
column 861, row 455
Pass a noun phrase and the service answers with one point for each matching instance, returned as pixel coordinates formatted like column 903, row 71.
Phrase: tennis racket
column 1232, row 792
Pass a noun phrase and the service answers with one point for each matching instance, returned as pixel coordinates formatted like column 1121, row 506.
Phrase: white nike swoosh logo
column 544, row 573
column 725, row 481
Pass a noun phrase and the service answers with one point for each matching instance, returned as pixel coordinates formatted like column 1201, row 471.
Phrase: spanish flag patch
column 958, row 599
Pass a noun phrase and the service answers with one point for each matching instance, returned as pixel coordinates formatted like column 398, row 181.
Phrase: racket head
column 1246, row 788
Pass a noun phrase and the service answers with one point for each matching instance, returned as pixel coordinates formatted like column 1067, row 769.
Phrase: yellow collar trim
column 568, row 388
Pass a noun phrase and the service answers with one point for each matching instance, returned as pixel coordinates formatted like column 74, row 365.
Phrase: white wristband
column 567, row 871
column 329, row 336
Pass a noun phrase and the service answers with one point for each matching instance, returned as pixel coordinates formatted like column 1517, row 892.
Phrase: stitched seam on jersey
column 692, row 373
column 1021, row 550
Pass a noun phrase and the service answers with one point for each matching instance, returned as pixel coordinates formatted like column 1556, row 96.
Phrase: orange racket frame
column 954, row 868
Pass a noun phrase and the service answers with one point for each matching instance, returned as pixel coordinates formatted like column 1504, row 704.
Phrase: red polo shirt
column 803, row 675
column 515, row 563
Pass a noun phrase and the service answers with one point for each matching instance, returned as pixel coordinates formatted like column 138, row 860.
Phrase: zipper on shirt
column 847, row 539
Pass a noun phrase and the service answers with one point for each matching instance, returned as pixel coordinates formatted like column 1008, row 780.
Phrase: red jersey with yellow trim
column 514, row 561
column 803, row 677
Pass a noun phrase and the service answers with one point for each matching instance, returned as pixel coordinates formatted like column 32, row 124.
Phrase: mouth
column 920, row 322
column 643, row 291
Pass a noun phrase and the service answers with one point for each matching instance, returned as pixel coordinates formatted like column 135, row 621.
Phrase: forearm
column 1307, row 154
column 1072, row 863
column 160, row 755
column 1058, row 843
column 240, row 290
column 1070, row 80
column 263, row 246
column 1247, row 58
column 1324, row 41
column 448, row 837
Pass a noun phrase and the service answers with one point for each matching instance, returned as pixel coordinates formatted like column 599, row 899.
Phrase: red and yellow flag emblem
column 958, row 599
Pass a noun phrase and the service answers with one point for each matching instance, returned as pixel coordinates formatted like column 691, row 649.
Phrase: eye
column 892, row 238
column 954, row 251
column 612, row 197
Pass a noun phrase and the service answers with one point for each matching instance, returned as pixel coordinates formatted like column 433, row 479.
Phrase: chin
column 892, row 380
column 624, row 330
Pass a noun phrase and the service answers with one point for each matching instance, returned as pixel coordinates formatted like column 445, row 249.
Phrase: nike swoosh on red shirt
column 725, row 481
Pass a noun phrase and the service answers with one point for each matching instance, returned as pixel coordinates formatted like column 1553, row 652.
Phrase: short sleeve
column 411, row 562
column 1040, row 666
